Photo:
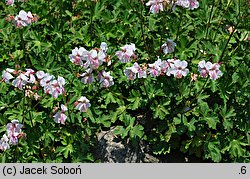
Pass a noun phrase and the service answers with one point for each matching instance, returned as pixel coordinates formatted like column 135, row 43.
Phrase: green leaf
column 135, row 103
column 136, row 131
column 105, row 120
column 120, row 130
column 214, row 87
column 169, row 132
column 160, row 112
column 90, row 115
column 121, row 109
column 204, row 108
column 109, row 98
column 226, row 115
column 177, row 120
column 214, row 151
column 202, row 96
column 211, row 121
column 68, row 13
column 235, row 77
column 190, row 125
column 235, row 148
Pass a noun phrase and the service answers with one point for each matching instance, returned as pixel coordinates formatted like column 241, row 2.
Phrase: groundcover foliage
column 172, row 73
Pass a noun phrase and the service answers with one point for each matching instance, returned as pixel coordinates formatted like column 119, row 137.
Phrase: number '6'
column 243, row 170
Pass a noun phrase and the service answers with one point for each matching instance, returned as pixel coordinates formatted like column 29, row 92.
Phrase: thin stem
column 146, row 91
column 190, row 83
column 178, row 31
column 143, row 31
column 91, row 24
column 69, row 114
column 223, row 13
column 31, row 119
column 62, row 31
column 210, row 17
column 24, row 49
column 142, row 24
column 23, row 107
column 202, row 89
column 225, row 47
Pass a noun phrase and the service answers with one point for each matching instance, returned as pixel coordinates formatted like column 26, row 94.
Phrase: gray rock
column 112, row 149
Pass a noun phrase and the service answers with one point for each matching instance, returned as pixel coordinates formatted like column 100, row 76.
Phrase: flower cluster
column 60, row 116
column 50, row 84
column 136, row 71
column 174, row 67
column 24, row 80
column 24, row 19
column 23, row 77
column 208, row 68
column 158, row 5
column 14, row 132
column 91, row 61
column 127, row 53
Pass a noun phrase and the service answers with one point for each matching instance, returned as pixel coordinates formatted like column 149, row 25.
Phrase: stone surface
column 112, row 149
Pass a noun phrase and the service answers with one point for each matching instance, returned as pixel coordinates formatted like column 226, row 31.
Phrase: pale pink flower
column 170, row 63
column 135, row 71
column 88, row 77
column 30, row 17
column 142, row 71
column 168, row 46
column 214, row 71
column 44, row 78
column 104, row 47
column 165, row 66
column 207, row 68
column 50, row 84
column 156, row 6
column 155, row 68
column 7, row 75
column 20, row 81
column 30, row 73
column 179, row 69
column 82, row 104
column 191, row 4
column 4, row 145
column 10, row 2
column 40, row 74
column 131, row 72
column 203, row 68
column 127, row 53
column 14, row 130
column 21, row 19
column 183, row 3
column 56, row 87
column 60, row 116
column 96, row 58
column 106, row 80
column 78, row 56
